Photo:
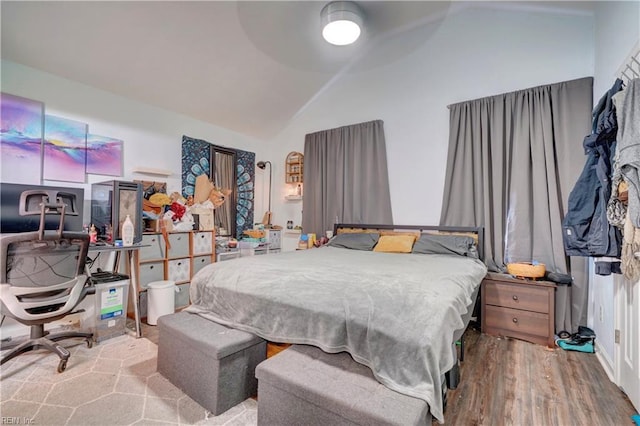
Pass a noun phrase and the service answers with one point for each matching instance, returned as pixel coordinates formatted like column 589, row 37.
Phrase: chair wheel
column 89, row 343
column 62, row 365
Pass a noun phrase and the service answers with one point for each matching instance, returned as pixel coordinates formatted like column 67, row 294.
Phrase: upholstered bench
column 303, row 385
column 213, row 364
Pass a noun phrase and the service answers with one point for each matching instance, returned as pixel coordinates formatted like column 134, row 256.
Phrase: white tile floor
column 113, row 383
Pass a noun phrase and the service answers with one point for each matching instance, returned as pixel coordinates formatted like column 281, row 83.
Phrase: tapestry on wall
column 21, row 139
column 245, row 162
column 196, row 154
column 195, row 161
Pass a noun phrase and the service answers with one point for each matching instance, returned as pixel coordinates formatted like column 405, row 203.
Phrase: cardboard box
column 205, row 218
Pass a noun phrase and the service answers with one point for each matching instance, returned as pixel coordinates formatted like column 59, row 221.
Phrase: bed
column 397, row 313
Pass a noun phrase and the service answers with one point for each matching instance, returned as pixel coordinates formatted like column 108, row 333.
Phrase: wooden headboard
column 476, row 233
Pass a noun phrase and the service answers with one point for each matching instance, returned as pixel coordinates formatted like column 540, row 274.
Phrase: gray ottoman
column 306, row 386
column 211, row 363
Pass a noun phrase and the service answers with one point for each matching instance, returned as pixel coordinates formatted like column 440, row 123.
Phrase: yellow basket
column 526, row 269
column 254, row 233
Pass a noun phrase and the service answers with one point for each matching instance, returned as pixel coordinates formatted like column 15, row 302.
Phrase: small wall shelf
column 152, row 171
column 294, row 167
column 293, row 197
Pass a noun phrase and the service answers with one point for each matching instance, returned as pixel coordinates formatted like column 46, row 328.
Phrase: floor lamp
column 266, row 219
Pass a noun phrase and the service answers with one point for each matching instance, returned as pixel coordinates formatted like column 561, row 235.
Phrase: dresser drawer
column 150, row 272
column 525, row 297
column 202, row 243
column 199, row 263
column 153, row 247
column 178, row 269
column 516, row 323
column 179, row 243
column 182, row 296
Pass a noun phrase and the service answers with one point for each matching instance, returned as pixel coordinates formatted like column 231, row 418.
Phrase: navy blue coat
column 587, row 231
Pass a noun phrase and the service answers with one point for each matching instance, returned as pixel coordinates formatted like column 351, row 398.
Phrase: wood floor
column 511, row 382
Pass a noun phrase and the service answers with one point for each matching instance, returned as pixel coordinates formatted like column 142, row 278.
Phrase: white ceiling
column 246, row 66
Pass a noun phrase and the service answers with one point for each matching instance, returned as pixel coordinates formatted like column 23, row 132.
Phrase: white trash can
column 160, row 300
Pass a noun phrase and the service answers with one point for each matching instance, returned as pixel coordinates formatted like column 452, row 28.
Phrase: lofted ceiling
column 248, row 66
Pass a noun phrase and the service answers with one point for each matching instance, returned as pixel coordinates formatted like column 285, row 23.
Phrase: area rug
column 113, row 383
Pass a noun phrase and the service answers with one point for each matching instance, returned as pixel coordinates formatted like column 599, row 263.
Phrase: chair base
column 41, row 340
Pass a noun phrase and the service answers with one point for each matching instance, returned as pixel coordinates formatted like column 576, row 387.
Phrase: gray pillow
column 355, row 241
column 458, row 245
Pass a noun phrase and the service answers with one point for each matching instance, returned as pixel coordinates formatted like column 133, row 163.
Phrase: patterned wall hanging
column 196, row 154
column 246, row 177
column 195, row 161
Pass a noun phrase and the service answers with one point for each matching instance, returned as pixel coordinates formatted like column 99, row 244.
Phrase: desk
column 131, row 270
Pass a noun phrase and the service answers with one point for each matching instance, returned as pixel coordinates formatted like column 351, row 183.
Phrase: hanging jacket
column 586, row 230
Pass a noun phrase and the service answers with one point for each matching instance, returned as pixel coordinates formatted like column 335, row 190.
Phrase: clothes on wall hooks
column 586, row 230
column 627, row 104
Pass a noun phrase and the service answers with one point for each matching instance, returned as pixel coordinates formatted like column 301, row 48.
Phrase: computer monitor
column 20, row 207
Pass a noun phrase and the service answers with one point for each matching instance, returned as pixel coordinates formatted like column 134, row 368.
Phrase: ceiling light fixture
column 341, row 22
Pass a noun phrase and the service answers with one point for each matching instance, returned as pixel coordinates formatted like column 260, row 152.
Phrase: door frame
column 620, row 286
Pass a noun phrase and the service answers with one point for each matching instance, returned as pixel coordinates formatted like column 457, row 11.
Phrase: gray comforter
column 395, row 313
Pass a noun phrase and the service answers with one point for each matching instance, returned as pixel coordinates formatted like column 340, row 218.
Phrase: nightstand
column 523, row 309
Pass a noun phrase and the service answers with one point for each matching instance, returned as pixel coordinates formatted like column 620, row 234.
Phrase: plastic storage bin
column 160, row 300
column 111, row 298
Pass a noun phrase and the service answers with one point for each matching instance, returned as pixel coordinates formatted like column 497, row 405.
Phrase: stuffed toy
column 205, row 190
column 176, row 197
column 217, row 196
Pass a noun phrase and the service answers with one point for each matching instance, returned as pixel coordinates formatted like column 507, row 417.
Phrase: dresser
column 178, row 259
column 523, row 309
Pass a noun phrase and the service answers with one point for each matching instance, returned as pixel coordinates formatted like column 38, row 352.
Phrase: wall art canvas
column 21, row 139
column 65, row 149
column 104, row 155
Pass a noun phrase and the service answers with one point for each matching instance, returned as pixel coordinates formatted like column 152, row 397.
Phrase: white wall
column 617, row 29
column 473, row 53
column 152, row 136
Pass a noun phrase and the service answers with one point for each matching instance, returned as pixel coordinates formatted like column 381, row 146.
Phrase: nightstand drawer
column 525, row 297
column 516, row 323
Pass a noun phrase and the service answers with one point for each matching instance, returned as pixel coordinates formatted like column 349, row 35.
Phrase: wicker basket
column 526, row 269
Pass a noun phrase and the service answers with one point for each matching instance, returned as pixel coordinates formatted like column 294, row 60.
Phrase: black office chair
column 42, row 279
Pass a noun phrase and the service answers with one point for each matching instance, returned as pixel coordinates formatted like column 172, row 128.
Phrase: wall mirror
column 223, row 176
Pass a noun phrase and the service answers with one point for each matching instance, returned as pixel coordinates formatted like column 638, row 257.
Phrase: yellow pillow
column 395, row 243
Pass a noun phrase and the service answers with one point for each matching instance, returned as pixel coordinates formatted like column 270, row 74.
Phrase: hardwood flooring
column 512, row 382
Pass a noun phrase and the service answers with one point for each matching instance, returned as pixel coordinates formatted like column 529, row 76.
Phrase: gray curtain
column 345, row 177
column 513, row 159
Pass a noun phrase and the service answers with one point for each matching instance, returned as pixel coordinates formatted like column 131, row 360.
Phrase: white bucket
column 160, row 300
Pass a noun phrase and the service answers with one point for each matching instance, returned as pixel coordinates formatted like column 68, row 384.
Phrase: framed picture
column 65, row 149
column 21, row 139
column 104, row 155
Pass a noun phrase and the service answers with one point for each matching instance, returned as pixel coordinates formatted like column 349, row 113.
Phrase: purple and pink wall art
column 65, row 149
column 21, row 139
column 104, row 155
column 36, row 147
